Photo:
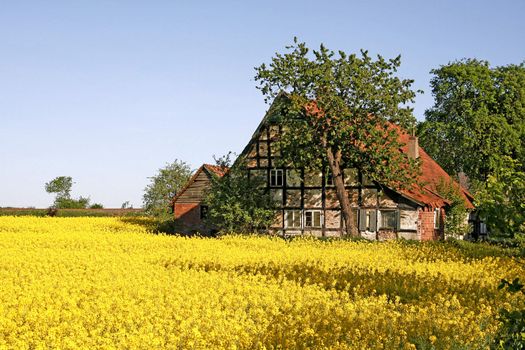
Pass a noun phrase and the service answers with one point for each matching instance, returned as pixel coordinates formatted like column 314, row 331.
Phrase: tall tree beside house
column 477, row 127
column 478, row 117
column 501, row 199
column 341, row 112
column 163, row 186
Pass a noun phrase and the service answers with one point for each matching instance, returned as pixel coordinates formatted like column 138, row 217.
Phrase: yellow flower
column 109, row 283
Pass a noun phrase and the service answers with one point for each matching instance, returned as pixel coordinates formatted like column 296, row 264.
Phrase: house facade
column 307, row 203
column 188, row 207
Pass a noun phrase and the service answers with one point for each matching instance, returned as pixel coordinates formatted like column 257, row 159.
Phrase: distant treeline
column 70, row 212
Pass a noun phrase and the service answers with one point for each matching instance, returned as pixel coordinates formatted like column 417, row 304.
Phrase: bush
column 238, row 203
column 70, row 203
column 512, row 331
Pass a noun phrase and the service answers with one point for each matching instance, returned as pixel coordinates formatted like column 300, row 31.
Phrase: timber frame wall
column 311, row 191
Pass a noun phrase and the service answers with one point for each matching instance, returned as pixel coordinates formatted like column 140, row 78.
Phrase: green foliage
column 159, row 193
column 96, row 206
column 501, row 200
column 455, row 224
column 237, row 203
column 338, row 112
column 512, row 332
column 478, row 117
column 477, row 126
column 70, row 203
column 60, row 185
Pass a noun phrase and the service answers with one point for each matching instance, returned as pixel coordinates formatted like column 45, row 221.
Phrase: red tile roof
column 431, row 175
column 220, row 171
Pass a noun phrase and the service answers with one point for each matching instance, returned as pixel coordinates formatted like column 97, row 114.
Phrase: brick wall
column 426, row 225
column 188, row 214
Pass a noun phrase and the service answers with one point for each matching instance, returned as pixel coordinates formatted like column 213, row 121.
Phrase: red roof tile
column 220, row 171
column 431, row 175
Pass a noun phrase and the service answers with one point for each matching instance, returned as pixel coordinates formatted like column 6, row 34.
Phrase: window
column 204, row 211
column 437, row 218
column 313, row 218
column 276, row 178
column 292, row 218
column 388, row 219
column 368, row 220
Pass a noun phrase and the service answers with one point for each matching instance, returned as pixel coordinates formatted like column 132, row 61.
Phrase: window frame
column 275, row 174
column 395, row 215
column 437, row 219
column 313, row 212
column 293, row 212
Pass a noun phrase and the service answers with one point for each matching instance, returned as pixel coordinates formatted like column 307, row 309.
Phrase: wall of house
column 187, row 207
column 188, row 213
column 310, row 190
column 195, row 192
column 426, row 225
column 409, row 224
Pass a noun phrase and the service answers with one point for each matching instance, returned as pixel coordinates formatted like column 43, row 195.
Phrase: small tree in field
column 62, row 185
column 341, row 113
column 159, row 193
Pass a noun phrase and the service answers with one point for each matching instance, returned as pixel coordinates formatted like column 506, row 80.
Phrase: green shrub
column 511, row 334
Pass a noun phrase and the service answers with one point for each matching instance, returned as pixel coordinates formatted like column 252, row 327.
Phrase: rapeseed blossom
column 106, row 283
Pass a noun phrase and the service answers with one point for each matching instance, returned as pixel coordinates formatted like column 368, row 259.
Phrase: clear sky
column 109, row 91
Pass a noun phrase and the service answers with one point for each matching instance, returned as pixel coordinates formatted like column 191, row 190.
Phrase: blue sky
column 109, row 91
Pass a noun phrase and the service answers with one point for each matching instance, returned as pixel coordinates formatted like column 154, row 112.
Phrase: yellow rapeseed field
column 106, row 283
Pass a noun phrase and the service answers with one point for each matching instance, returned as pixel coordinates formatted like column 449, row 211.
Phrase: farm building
column 188, row 208
column 307, row 201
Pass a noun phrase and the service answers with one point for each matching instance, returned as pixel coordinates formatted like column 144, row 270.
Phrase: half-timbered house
column 307, row 202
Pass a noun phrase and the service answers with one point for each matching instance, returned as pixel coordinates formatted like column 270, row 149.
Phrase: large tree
column 342, row 113
column 478, row 117
column 164, row 185
column 477, row 126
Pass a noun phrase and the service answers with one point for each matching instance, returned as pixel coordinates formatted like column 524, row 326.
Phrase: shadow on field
column 148, row 223
column 167, row 227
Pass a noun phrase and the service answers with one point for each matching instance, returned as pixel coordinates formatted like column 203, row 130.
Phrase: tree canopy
column 341, row 113
column 61, row 185
column 163, row 187
column 237, row 203
column 478, row 117
column 477, row 127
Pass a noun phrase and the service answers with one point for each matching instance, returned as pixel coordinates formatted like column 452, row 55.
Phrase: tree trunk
column 334, row 161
